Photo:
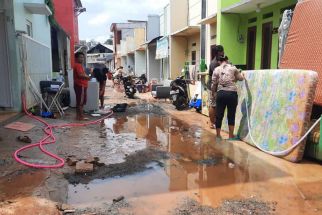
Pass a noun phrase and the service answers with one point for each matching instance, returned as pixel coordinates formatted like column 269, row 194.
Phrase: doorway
column 267, row 45
column 5, row 88
column 251, row 47
column 212, row 52
column 193, row 57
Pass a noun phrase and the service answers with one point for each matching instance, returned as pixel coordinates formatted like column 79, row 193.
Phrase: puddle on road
column 192, row 163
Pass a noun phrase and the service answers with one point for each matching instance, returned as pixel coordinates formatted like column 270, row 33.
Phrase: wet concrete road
column 162, row 162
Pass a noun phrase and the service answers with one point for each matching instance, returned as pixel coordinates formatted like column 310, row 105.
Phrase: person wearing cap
column 219, row 52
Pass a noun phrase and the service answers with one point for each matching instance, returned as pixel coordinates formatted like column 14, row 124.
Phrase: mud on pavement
column 134, row 163
column 236, row 207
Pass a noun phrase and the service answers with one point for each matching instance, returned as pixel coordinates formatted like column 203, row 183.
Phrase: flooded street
column 155, row 160
column 193, row 166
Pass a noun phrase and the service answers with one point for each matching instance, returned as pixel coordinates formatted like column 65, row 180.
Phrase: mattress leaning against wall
column 303, row 49
column 279, row 104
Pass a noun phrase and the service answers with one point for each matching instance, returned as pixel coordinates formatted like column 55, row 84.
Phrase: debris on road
column 82, row 167
column 231, row 165
column 118, row 199
column 24, row 139
column 134, row 163
column 92, row 160
column 20, row 126
column 208, row 162
column 71, row 161
column 238, row 207
column 65, row 208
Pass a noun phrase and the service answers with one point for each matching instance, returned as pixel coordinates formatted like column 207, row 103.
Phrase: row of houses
column 185, row 33
column 38, row 39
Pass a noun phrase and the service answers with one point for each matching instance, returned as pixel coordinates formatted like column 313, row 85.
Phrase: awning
column 187, row 31
column 162, row 48
column 153, row 40
column 248, row 6
column 38, row 8
column 141, row 48
column 209, row 20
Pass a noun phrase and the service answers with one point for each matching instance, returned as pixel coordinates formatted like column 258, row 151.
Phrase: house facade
column 125, row 43
column 249, row 31
column 25, row 49
column 163, row 43
column 66, row 15
column 152, row 36
column 100, row 56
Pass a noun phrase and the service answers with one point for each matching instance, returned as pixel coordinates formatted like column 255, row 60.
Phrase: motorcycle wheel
column 181, row 103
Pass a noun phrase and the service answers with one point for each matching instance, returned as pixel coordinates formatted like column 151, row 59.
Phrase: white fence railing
column 37, row 63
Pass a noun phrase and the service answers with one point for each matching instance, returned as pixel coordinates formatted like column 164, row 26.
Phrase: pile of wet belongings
column 119, row 108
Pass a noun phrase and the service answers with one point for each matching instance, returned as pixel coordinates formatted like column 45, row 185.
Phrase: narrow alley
column 160, row 107
column 154, row 160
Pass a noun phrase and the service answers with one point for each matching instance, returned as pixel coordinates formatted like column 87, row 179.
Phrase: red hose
column 49, row 139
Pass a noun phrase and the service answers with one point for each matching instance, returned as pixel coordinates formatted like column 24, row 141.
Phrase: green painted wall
column 228, row 32
column 229, row 37
column 227, row 3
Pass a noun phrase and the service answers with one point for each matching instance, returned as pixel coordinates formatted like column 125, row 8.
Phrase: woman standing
column 224, row 83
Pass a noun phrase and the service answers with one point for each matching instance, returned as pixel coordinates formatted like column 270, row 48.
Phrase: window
column 193, row 58
column 268, row 15
column 119, row 37
column 29, row 28
column 252, row 20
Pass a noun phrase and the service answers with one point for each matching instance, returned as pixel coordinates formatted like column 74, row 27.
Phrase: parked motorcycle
column 129, row 86
column 179, row 93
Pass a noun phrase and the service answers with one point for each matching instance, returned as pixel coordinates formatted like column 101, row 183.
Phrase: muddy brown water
column 193, row 162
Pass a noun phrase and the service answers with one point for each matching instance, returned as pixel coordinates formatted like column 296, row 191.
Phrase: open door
column 251, row 47
column 267, row 45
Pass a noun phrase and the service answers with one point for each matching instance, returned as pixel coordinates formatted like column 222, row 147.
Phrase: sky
column 100, row 14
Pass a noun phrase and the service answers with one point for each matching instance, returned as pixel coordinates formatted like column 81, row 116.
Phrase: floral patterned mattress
column 280, row 104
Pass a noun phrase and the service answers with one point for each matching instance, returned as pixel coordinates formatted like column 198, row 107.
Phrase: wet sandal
column 234, row 139
column 24, row 139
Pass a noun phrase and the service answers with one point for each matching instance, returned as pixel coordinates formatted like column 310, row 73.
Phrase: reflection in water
column 188, row 148
column 184, row 171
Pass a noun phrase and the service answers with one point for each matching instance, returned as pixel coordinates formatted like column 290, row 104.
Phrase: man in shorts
column 80, row 85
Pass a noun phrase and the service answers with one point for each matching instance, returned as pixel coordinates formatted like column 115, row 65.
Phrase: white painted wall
column 162, row 24
column 153, row 27
column 179, row 15
column 153, row 64
column 194, row 12
column 165, row 21
column 191, row 40
column 40, row 23
column 211, row 31
column 130, row 62
column 212, row 7
column 140, row 63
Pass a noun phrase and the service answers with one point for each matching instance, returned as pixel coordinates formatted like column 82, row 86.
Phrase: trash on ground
column 71, row 161
column 119, row 108
column 231, row 165
column 118, row 199
column 24, row 139
column 208, row 162
column 82, row 167
column 20, row 126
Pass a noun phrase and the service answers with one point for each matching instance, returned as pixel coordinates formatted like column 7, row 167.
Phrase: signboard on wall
column 162, row 48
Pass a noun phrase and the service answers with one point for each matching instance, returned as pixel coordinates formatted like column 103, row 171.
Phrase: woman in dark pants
column 224, row 83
